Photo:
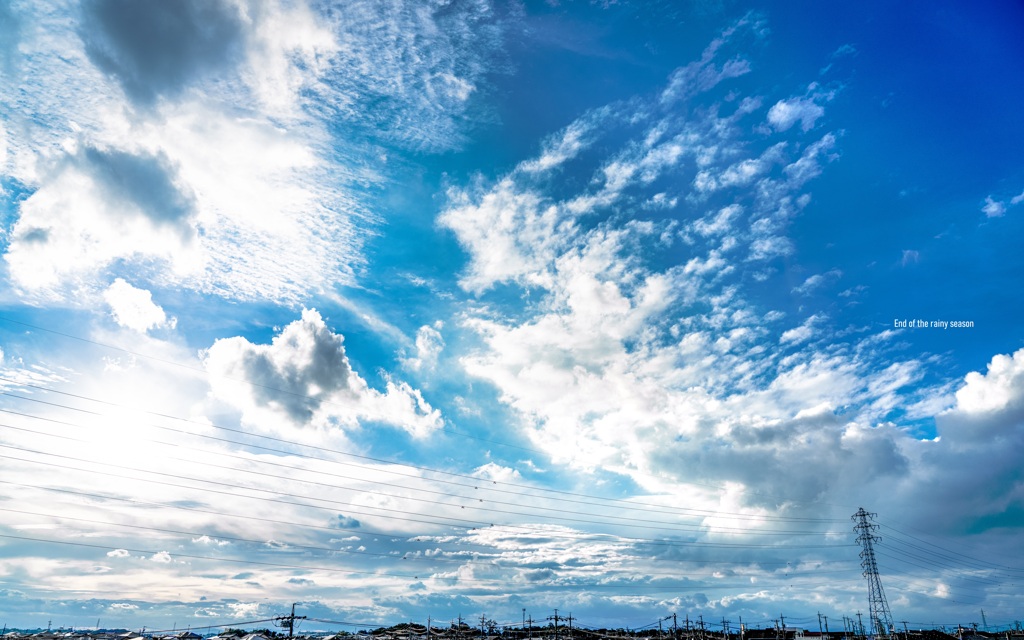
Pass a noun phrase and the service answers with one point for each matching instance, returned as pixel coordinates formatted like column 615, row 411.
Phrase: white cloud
column 845, row 50
column 817, row 281
column 290, row 50
column 993, row 208
column 562, row 147
column 910, row 256
column 162, row 557
column 134, row 308
column 718, row 223
column 1017, row 199
column 785, row 113
column 995, row 390
column 806, row 109
column 702, row 75
column 118, row 553
column 244, row 609
column 743, row 172
column 808, row 166
column 510, row 233
column 429, row 344
column 208, row 541
column 803, row 333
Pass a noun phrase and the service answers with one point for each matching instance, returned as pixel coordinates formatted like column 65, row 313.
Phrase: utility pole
column 289, row 621
column 675, row 627
column 555, row 618
column 860, row 624
column 783, row 618
column 826, row 628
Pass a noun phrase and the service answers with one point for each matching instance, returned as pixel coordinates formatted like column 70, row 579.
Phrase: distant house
column 256, row 636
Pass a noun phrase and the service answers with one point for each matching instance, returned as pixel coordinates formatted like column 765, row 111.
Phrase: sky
column 409, row 310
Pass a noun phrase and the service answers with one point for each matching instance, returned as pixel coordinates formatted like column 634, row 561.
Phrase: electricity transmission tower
column 878, row 609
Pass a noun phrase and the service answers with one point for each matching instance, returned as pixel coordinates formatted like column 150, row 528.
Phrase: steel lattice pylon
column 881, row 620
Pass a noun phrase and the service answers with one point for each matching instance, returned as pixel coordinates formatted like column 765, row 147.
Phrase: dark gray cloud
column 154, row 48
column 304, row 365
column 145, row 181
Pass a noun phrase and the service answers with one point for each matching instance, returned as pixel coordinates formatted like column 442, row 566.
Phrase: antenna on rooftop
column 878, row 609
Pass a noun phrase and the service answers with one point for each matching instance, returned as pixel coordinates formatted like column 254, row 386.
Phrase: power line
column 480, row 484
column 467, row 524
column 625, row 521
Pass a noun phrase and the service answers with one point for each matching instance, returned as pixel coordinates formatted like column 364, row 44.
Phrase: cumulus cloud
column 305, row 375
column 973, row 463
column 134, row 308
column 162, row 557
column 1000, row 389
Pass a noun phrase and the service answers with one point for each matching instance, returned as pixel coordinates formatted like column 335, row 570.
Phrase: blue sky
column 400, row 310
